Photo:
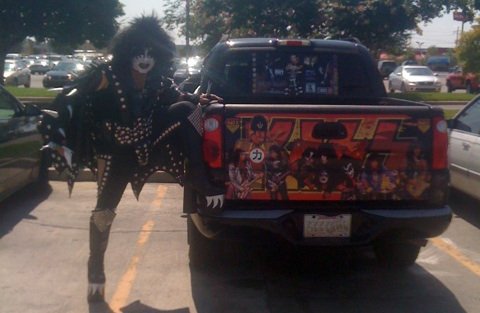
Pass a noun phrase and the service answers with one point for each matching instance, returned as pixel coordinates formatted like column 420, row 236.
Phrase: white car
column 464, row 149
column 413, row 78
column 16, row 73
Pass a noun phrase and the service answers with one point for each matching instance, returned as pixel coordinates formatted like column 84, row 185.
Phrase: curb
column 459, row 103
column 87, row 176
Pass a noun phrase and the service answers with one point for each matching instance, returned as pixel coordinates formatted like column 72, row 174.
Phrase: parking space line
column 120, row 297
column 456, row 254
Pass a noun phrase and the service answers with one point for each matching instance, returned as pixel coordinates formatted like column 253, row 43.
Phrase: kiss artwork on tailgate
column 327, row 157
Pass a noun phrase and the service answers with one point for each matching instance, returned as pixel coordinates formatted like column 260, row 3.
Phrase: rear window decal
column 277, row 157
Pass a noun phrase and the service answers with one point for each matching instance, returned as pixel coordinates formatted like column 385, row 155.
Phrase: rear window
column 282, row 74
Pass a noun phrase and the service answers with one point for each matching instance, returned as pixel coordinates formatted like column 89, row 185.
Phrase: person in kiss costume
column 125, row 120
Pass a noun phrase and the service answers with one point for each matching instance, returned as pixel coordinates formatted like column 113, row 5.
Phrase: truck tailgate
column 329, row 152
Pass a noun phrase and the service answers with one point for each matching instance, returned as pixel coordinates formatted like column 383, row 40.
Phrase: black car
column 63, row 73
column 40, row 66
column 21, row 161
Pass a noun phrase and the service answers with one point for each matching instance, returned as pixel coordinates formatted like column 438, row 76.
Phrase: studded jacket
column 103, row 117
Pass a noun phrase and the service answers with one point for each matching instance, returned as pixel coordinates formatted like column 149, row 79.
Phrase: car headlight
column 48, row 77
column 69, row 76
column 411, row 83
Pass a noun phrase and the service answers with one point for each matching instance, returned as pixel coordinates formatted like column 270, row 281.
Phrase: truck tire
column 396, row 254
column 468, row 87
column 449, row 87
column 42, row 179
column 390, row 87
column 28, row 82
column 202, row 251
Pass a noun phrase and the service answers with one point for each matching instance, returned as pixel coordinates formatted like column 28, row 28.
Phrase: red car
column 461, row 80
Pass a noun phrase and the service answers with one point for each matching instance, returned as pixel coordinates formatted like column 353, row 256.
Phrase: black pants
column 110, row 190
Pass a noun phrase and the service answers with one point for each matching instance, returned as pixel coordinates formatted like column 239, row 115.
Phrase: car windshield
column 419, row 71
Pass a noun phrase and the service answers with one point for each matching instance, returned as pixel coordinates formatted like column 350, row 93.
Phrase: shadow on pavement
column 316, row 280
column 20, row 205
column 466, row 207
column 134, row 307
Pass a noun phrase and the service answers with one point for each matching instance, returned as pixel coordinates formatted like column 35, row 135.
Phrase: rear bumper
column 424, row 88
column 366, row 225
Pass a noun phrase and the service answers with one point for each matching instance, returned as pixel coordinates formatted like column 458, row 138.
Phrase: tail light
column 440, row 144
column 212, row 141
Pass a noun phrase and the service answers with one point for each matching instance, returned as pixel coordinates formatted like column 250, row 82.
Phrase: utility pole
column 187, row 31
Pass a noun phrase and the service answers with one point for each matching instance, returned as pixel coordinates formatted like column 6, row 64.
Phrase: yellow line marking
column 161, row 191
column 456, row 254
column 124, row 287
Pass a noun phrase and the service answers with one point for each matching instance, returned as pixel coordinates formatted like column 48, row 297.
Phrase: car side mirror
column 435, row 74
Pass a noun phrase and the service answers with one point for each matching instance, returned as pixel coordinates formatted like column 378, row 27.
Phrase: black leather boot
column 100, row 223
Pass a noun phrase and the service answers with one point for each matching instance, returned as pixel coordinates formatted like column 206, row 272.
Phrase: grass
column 449, row 113
column 414, row 96
column 433, row 96
column 21, row 92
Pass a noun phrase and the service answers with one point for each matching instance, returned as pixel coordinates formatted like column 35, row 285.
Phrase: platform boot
column 100, row 224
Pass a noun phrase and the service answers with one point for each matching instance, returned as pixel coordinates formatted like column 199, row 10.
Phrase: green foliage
column 433, row 96
column 468, row 51
column 69, row 22
column 378, row 24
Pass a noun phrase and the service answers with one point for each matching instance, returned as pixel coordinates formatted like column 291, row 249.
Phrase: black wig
column 143, row 33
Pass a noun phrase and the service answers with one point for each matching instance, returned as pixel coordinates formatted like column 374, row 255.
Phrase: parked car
column 386, row 67
column 55, row 59
column 13, row 56
column 65, row 72
column 16, row 73
column 40, row 66
column 459, row 79
column 21, row 160
column 464, row 149
column 413, row 78
column 439, row 63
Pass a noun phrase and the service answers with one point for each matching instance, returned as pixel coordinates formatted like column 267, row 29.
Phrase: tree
column 378, row 24
column 468, row 50
column 68, row 21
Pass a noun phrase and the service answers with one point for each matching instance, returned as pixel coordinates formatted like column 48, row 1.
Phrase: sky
column 441, row 32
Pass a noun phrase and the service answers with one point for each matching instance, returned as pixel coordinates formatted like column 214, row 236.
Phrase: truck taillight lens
column 440, row 144
column 212, row 141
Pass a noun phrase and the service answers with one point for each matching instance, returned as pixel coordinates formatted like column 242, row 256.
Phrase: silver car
column 413, row 78
column 464, row 149
column 16, row 73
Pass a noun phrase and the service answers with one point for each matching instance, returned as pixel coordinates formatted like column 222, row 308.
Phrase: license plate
column 326, row 226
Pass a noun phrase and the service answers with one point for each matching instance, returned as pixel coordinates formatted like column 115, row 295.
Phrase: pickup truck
column 311, row 150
